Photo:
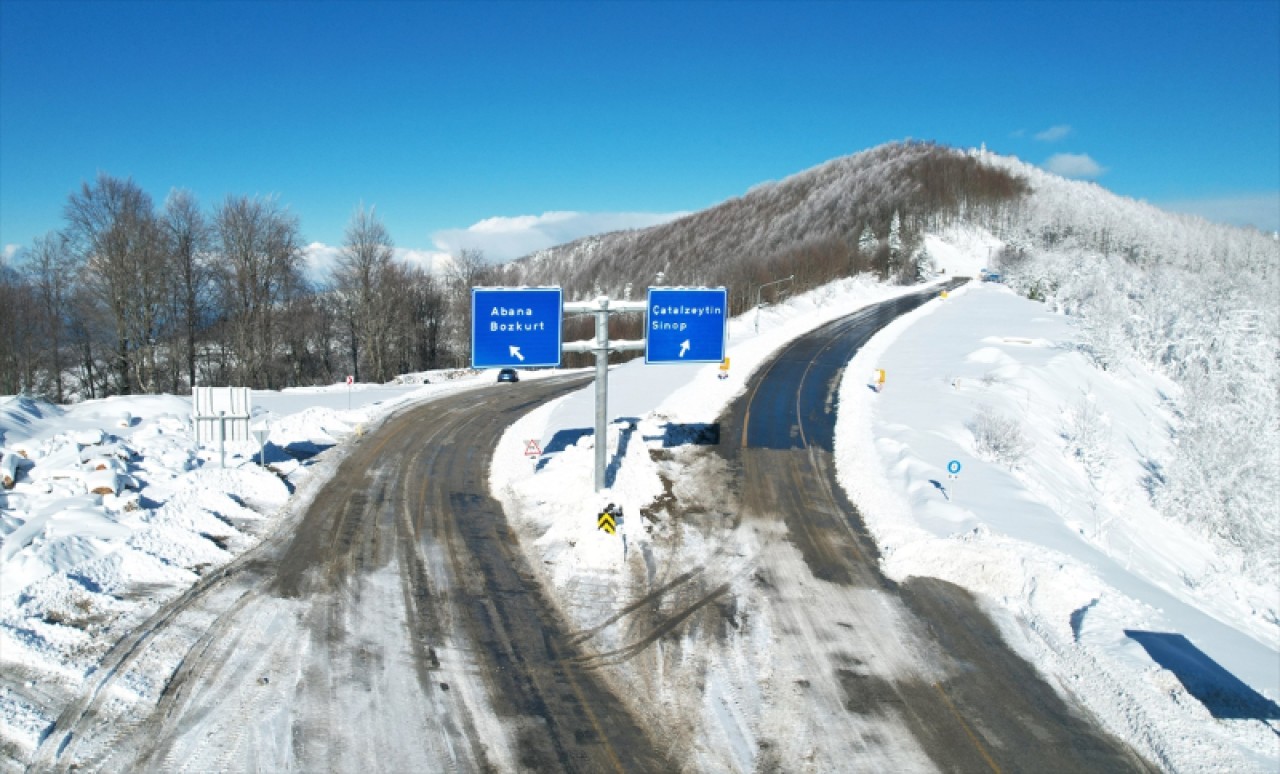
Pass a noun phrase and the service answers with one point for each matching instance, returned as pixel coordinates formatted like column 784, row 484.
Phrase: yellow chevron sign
column 606, row 523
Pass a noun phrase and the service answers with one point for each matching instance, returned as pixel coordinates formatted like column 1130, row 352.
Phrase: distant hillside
column 833, row 220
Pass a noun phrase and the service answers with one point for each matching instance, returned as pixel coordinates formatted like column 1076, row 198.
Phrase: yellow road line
column 972, row 737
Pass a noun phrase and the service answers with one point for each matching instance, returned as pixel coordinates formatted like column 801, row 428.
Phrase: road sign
column 607, row 523
column 515, row 327
column 685, row 325
column 953, row 467
column 531, row 449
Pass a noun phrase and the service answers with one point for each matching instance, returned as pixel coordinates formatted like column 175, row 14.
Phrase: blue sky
column 445, row 116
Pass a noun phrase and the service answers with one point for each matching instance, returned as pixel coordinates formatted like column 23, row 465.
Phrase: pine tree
column 867, row 242
column 923, row 264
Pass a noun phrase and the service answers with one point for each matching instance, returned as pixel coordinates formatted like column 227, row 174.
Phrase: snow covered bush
column 997, row 437
column 1088, row 436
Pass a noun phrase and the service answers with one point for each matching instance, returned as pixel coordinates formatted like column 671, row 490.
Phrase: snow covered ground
column 1049, row 522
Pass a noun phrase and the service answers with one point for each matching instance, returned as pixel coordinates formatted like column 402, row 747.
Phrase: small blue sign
column 685, row 325
column 953, row 467
column 516, row 327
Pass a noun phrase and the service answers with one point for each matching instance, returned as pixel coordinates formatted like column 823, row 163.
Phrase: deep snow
column 1062, row 546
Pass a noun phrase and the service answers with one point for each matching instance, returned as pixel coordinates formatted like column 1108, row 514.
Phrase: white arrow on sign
column 515, row 352
column 684, row 347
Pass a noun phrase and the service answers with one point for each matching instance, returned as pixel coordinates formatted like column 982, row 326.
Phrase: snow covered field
column 1049, row 522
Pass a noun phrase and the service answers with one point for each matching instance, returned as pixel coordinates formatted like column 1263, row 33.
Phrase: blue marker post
column 953, row 472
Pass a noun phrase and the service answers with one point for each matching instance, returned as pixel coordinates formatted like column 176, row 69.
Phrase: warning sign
column 609, row 520
column 531, row 449
column 606, row 523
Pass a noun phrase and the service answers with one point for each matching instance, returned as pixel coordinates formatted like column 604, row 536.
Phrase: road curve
column 984, row 709
column 396, row 628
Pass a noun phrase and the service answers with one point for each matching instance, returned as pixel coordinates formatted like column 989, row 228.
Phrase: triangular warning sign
column 531, row 449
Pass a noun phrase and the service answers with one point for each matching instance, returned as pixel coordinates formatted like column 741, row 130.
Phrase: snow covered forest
column 133, row 298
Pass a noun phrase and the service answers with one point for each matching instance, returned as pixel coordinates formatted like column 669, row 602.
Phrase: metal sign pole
column 602, row 391
column 602, row 307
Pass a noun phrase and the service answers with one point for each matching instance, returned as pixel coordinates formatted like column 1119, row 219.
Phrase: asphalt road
column 987, row 710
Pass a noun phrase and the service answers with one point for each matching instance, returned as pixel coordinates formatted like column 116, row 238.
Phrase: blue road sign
column 515, row 327
column 685, row 325
column 953, row 467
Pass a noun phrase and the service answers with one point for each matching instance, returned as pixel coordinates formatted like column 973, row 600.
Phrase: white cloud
column 1054, row 133
column 506, row 238
column 1262, row 211
column 1074, row 165
column 10, row 251
column 431, row 261
column 320, row 259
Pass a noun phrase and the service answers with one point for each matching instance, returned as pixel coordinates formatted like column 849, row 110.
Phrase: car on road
column 508, row 375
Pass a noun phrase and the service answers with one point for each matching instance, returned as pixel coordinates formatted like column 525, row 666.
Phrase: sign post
column 523, row 327
column 953, row 472
column 260, row 434
column 601, row 308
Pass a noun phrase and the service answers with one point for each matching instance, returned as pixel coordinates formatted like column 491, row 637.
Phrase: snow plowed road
column 970, row 703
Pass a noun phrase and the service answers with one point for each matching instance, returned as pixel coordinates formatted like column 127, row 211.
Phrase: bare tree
column 52, row 271
column 188, row 239
column 364, row 279
column 465, row 272
column 111, row 228
column 261, row 253
column 16, row 315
